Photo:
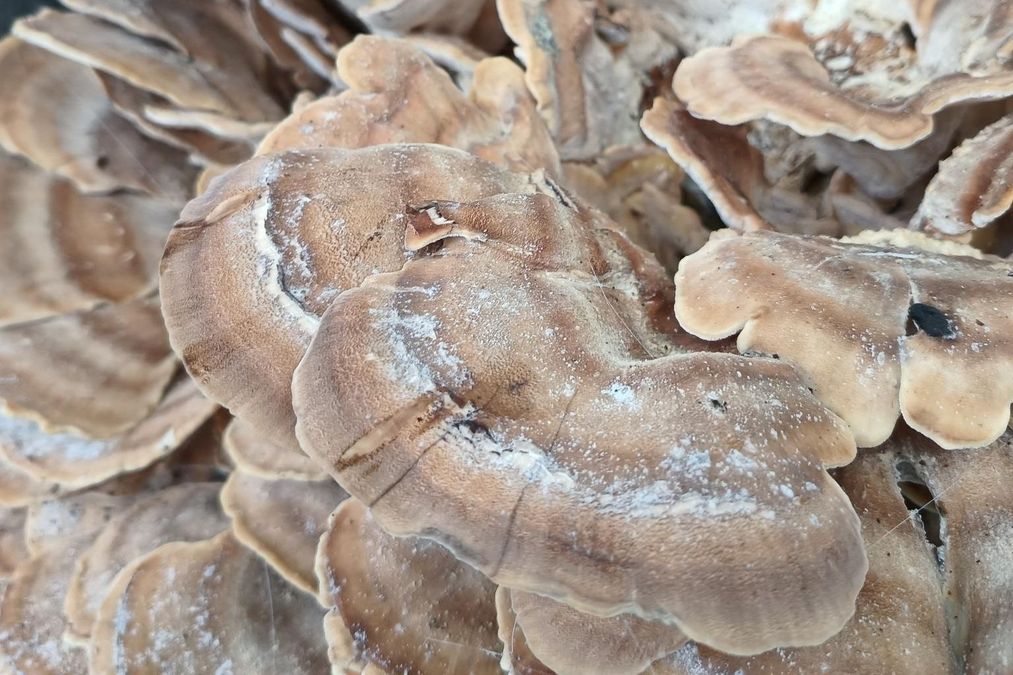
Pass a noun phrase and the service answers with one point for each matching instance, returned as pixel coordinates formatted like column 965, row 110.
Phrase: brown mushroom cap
column 974, row 185
column 217, row 71
column 839, row 312
column 780, row 79
column 899, row 624
column 937, row 597
column 31, row 623
column 188, row 512
column 73, row 461
column 209, row 606
column 256, row 259
column 119, row 351
column 427, row 343
column 281, row 520
column 409, row 604
column 257, row 456
column 203, row 148
column 718, row 158
column 64, row 251
column 56, row 113
column 397, row 94
column 568, row 641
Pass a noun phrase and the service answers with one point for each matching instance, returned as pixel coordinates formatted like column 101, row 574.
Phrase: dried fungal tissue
column 535, row 337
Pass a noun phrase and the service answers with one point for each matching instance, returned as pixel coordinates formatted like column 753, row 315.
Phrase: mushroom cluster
column 396, row 336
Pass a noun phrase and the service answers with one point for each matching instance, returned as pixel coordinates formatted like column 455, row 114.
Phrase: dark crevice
column 919, row 498
column 909, row 35
column 929, row 320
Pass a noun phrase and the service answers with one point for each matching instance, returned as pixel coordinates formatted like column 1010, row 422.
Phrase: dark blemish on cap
column 930, row 321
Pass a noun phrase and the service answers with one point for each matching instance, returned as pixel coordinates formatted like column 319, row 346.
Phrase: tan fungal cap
column 188, row 512
column 111, row 363
column 65, row 251
column 875, row 330
column 258, row 456
column 205, row 607
column 31, row 623
column 409, row 604
column 396, row 94
column 900, row 623
column 431, row 386
column 56, row 113
column 853, row 75
column 281, row 520
column 268, row 246
column 718, row 158
column 218, row 71
column 974, row 186
column 572, row 642
column 937, row 596
column 73, row 461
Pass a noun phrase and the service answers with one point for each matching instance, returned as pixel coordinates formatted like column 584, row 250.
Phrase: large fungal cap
column 218, row 70
column 112, row 364
column 281, row 519
column 56, row 113
column 31, row 623
column 396, row 94
column 255, row 260
column 65, row 251
column 852, row 73
column 205, row 607
column 438, row 406
column 937, row 598
column 69, row 460
column 409, row 605
column 569, row 641
column 974, row 186
column 876, row 330
column 188, row 512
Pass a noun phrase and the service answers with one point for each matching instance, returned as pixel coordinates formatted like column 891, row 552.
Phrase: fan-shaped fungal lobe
column 205, row 607
column 70, row 460
column 876, row 330
column 56, row 113
column 255, row 455
column 64, row 251
column 572, row 642
column 396, row 94
column 281, row 520
column 974, row 185
column 112, row 364
column 438, row 405
column 188, row 512
column 256, row 259
column 409, row 604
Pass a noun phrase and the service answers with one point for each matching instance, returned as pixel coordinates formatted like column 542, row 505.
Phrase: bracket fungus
column 877, row 331
column 474, row 425
column 441, row 610
column 207, row 606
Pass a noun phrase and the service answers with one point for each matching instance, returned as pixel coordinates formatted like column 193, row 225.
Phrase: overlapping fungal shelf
column 507, row 336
